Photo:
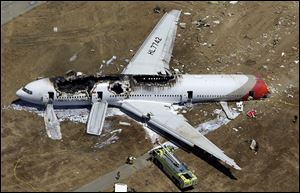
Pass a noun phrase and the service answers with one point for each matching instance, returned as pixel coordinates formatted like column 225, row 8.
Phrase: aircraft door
column 251, row 95
column 190, row 96
column 45, row 98
column 100, row 95
column 48, row 97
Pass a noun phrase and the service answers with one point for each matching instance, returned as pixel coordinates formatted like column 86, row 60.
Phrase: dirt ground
column 260, row 38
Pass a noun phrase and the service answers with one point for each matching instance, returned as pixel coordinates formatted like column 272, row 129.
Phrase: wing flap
column 176, row 126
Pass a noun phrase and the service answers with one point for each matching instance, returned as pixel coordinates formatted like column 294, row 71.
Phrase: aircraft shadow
column 195, row 150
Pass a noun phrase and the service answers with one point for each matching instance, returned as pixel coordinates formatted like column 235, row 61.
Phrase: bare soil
column 251, row 38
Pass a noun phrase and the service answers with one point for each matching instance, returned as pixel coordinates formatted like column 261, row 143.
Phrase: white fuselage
column 202, row 88
column 186, row 88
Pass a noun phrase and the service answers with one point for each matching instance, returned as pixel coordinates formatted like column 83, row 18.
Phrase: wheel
column 160, row 165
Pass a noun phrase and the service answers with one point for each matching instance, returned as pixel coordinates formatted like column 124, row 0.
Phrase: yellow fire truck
column 179, row 173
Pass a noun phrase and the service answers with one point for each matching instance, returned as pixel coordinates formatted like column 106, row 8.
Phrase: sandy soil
column 251, row 38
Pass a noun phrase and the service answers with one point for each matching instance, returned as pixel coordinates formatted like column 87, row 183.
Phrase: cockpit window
column 26, row 90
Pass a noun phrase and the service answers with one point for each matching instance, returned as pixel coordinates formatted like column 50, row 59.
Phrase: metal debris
column 201, row 23
column 254, row 145
column 252, row 113
column 156, row 9
column 187, row 13
column 124, row 123
column 73, row 58
column 235, row 129
column 55, row 29
column 240, row 106
column 111, row 60
column 182, row 25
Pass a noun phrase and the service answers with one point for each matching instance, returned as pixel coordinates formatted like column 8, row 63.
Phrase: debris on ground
column 55, row 29
column 290, row 96
column 111, row 60
column 240, row 106
column 124, row 123
column 182, row 25
column 201, row 23
column 73, row 58
column 235, row 129
column 156, row 9
column 216, row 22
column 233, row 2
column 254, row 145
column 216, row 123
column 187, row 13
column 252, row 113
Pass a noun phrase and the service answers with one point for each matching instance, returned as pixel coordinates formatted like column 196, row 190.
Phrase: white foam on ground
column 150, row 134
column 209, row 126
column 80, row 115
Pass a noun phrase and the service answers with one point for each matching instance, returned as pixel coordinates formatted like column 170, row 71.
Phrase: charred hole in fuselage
column 79, row 83
column 117, row 88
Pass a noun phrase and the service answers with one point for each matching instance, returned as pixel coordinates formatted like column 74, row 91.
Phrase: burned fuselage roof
column 74, row 83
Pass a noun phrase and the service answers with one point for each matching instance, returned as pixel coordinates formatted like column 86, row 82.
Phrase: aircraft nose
column 20, row 93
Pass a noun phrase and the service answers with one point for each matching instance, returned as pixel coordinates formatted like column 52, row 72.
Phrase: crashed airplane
column 146, row 86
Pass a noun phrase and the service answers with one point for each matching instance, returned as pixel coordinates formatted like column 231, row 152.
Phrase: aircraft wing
column 175, row 125
column 154, row 55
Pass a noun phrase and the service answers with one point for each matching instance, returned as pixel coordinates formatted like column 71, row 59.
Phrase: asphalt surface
column 108, row 180
column 12, row 9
